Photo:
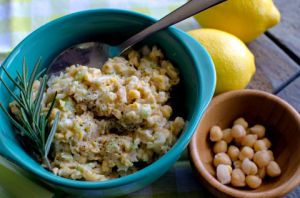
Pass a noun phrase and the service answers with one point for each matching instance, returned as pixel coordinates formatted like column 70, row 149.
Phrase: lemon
column 246, row 19
column 234, row 63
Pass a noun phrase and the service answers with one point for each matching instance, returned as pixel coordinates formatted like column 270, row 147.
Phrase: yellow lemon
column 234, row 63
column 246, row 19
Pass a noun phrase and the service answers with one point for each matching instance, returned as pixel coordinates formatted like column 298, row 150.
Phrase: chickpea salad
column 113, row 119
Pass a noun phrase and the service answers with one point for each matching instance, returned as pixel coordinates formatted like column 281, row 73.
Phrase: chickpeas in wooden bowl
column 247, row 145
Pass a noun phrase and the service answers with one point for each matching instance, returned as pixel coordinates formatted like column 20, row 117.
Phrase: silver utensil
column 97, row 53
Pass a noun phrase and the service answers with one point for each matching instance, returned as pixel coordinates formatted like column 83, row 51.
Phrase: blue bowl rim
column 177, row 148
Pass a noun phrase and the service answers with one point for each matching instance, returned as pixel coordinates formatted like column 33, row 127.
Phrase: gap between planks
column 281, row 45
column 286, row 83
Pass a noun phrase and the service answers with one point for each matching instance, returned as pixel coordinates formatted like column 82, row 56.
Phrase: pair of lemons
column 237, row 21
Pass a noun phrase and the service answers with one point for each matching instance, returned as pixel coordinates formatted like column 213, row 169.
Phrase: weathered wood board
column 273, row 66
column 288, row 31
column 291, row 94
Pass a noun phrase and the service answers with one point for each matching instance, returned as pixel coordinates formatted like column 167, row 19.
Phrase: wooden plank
column 288, row 31
column 273, row 66
column 291, row 94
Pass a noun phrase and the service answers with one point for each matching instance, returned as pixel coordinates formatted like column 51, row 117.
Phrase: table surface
column 277, row 54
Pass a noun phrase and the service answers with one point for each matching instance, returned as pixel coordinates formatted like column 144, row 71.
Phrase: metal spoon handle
column 187, row 10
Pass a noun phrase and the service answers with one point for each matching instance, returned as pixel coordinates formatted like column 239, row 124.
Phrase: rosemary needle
column 36, row 129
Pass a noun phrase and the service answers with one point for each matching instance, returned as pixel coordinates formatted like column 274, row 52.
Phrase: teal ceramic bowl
column 193, row 95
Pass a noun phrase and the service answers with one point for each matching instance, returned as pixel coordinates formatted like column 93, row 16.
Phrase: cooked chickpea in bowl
column 237, row 161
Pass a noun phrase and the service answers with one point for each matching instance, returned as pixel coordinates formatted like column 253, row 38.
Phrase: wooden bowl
column 282, row 124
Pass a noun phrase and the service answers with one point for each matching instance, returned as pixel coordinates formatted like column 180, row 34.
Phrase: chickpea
column 241, row 121
column 261, row 172
column 248, row 131
column 259, row 130
column 220, row 147
column 227, row 137
column 215, row 134
column 238, row 131
column 262, row 158
column 271, row 154
column 260, row 145
column 233, row 152
column 166, row 110
column 253, row 181
column 249, row 140
column 267, row 142
column 224, row 174
column 246, row 152
column 134, row 94
column 273, row 169
column 221, row 158
column 238, row 178
column 249, row 167
column 237, row 164
column 229, row 168
column 238, row 141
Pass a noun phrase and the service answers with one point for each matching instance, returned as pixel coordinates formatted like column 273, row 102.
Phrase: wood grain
column 288, row 31
column 291, row 94
column 273, row 66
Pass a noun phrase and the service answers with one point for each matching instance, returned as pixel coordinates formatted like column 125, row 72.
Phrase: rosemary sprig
column 32, row 124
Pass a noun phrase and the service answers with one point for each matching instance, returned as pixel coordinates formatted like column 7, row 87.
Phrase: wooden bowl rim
column 278, row 191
